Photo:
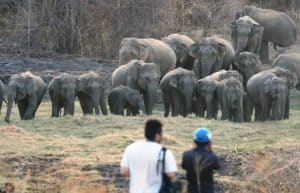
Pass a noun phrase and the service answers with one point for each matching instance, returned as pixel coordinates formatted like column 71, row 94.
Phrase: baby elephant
column 62, row 90
column 123, row 97
column 230, row 95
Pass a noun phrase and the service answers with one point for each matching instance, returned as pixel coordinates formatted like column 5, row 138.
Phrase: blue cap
column 202, row 135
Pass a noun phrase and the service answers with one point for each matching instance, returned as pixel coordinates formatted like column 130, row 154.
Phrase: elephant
column 206, row 96
column 148, row 50
column 290, row 60
column 62, row 91
column 230, row 92
column 268, row 93
column 27, row 90
column 211, row 55
column 177, row 88
column 123, row 97
column 141, row 76
column 90, row 92
column 279, row 28
column 247, row 64
column 246, row 35
column 231, row 74
column 181, row 44
column 2, row 99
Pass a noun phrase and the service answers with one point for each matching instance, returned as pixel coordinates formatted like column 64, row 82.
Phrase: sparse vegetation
column 81, row 154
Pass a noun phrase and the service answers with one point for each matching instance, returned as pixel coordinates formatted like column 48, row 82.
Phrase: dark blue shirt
column 204, row 162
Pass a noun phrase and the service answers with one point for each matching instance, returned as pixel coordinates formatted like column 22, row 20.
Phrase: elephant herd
column 200, row 77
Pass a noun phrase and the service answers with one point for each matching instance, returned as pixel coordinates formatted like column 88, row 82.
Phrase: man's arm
column 125, row 171
column 171, row 166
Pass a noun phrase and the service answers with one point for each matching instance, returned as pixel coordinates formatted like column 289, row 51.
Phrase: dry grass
column 79, row 154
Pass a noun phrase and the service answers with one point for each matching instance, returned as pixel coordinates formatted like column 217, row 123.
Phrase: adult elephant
column 177, row 88
column 62, row 91
column 290, row 60
column 246, row 35
column 122, row 97
column 91, row 93
column 148, row 50
column 230, row 92
column 268, row 93
column 279, row 28
column 211, row 55
column 27, row 91
column 181, row 44
column 140, row 76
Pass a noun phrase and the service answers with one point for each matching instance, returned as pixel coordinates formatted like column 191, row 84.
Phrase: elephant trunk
column 189, row 100
column 96, row 100
column 11, row 97
column 241, row 44
column 209, row 100
column 141, row 107
column 150, row 98
column 206, row 67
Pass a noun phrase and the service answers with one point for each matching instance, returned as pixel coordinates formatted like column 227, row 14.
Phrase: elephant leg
column 103, row 106
column 258, row 113
column 55, row 110
column 225, row 111
column 69, row 108
column 265, row 111
column 120, row 110
column 1, row 103
column 264, row 52
column 22, row 106
column 176, row 106
column 129, row 111
column 247, row 109
column 166, row 107
column 287, row 107
column 32, row 107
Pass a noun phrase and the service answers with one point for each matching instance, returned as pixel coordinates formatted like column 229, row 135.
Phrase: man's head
column 202, row 137
column 153, row 130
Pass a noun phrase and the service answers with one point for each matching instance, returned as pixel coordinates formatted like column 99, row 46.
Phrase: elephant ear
column 183, row 51
column 143, row 52
column 173, row 83
column 194, row 50
column 257, row 30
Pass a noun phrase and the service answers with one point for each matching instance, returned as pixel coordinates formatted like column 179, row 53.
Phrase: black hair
column 201, row 144
column 152, row 128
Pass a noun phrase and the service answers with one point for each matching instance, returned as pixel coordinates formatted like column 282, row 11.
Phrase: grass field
column 81, row 154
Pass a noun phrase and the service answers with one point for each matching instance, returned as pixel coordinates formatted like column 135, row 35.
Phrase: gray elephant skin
column 148, row 50
column 140, row 76
column 206, row 96
column 122, row 97
column 91, row 93
column 246, row 35
column 268, row 94
column 279, row 28
column 247, row 64
column 211, row 55
column 1, row 95
column 27, row 91
column 62, row 91
column 181, row 44
column 230, row 92
column 291, row 61
column 177, row 89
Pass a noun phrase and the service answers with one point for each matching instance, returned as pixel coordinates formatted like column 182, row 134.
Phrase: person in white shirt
column 142, row 161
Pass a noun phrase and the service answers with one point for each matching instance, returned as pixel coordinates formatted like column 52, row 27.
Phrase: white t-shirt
column 141, row 158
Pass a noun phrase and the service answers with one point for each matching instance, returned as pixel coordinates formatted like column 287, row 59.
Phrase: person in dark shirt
column 200, row 162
